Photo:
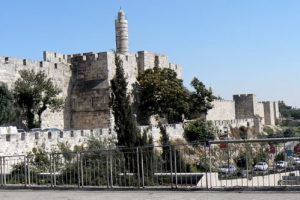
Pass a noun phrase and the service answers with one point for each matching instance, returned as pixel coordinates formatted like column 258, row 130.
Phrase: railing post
column 175, row 168
column 142, row 168
column 209, row 155
column 25, row 170
column 107, row 170
column 81, row 170
column 51, row 170
column 78, row 169
column 138, row 166
column 206, row 163
column 54, row 170
column 1, row 171
column 111, row 168
column 28, row 171
column 171, row 165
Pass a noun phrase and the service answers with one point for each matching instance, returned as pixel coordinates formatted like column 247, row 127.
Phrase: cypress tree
column 125, row 123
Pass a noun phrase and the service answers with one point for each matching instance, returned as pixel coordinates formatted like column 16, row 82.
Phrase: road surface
column 143, row 195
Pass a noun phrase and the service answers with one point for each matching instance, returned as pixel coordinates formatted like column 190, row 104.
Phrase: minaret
column 121, row 25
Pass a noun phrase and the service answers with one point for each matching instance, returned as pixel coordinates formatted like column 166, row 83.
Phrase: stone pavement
column 143, row 195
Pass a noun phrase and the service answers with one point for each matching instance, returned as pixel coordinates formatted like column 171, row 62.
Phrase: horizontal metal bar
column 255, row 140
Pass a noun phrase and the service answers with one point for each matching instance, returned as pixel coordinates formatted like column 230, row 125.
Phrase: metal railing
column 172, row 166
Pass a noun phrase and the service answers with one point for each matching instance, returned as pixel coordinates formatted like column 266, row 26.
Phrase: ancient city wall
column 224, row 126
column 276, row 111
column 259, row 110
column 222, row 110
column 269, row 113
column 60, row 72
column 244, row 105
column 13, row 143
column 149, row 60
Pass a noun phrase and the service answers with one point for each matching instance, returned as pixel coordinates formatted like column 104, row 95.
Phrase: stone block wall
column 12, row 143
column 222, row 110
column 55, row 57
column 276, row 111
column 269, row 113
column 59, row 72
column 244, row 105
column 259, row 111
column 148, row 60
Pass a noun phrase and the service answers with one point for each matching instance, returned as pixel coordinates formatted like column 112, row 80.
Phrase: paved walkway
column 143, row 195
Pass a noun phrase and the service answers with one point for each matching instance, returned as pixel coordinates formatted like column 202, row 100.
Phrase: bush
column 199, row 131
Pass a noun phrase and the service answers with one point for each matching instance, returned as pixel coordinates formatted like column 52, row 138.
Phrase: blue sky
column 234, row 46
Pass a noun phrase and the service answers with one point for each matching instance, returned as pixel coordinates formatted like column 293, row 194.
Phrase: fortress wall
column 222, row 110
column 259, row 110
column 174, row 131
column 130, row 67
column 59, row 72
column 269, row 113
column 148, row 60
column 55, row 57
column 276, row 111
column 244, row 105
column 90, row 94
column 90, row 66
column 12, row 143
column 177, row 68
column 21, row 144
column 224, row 126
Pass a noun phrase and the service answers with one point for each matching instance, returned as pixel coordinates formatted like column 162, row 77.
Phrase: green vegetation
column 125, row 123
column 200, row 99
column 162, row 93
column 34, row 93
column 7, row 112
column 199, row 131
column 288, row 111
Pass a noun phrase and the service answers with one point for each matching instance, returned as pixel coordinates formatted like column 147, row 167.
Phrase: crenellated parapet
column 149, row 60
column 22, row 143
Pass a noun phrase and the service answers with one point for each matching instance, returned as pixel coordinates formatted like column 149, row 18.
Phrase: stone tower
column 121, row 26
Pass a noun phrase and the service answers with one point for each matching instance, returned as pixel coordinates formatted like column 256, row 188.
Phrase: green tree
column 201, row 99
column 7, row 112
column 288, row 111
column 199, row 131
column 34, row 93
column 161, row 92
column 125, row 122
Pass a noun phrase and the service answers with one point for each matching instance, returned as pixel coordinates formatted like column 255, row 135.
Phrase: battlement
column 242, row 96
column 89, row 56
column 22, row 143
column 55, row 57
column 223, row 101
column 149, row 60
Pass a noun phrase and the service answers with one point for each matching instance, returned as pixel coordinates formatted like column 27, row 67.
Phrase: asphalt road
column 143, row 195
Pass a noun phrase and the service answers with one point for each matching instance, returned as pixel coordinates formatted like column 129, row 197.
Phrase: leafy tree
column 34, row 93
column 288, row 111
column 7, row 112
column 201, row 99
column 199, row 131
column 125, row 123
column 162, row 93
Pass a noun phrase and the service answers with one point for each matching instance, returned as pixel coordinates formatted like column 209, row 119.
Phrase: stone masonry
column 85, row 79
